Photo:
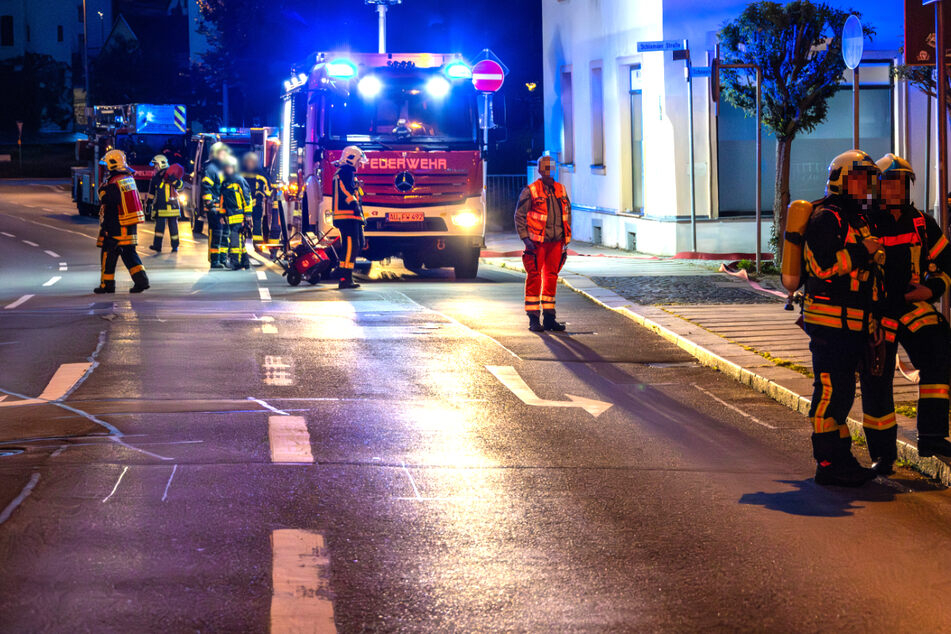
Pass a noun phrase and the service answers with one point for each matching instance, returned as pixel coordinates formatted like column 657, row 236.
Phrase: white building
column 52, row 28
column 617, row 121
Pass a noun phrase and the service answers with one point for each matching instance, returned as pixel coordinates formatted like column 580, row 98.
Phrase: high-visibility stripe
column 933, row 390
column 820, row 423
column 135, row 269
column 937, row 248
column 879, row 422
column 903, row 238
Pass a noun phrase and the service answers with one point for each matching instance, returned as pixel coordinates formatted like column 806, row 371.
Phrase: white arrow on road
column 510, row 378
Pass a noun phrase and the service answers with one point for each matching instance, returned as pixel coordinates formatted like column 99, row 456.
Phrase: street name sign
column 660, row 45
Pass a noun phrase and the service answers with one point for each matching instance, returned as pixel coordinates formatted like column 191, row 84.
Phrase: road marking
column 15, row 502
column 62, row 267
column 733, row 407
column 261, row 275
column 277, row 371
column 300, row 577
column 266, row 405
column 62, row 382
column 116, row 485
column 510, row 378
column 169, row 483
column 18, row 302
column 265, row 294
column 290, row 440
column 52, row 254
column 29, row 243
column 52, row 280
column 411, row 480
column 9, row 235
column 269, row 329
column 59, row 451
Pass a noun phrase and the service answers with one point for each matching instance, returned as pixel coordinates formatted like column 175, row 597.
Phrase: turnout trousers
column 542, row 266
column 238, row 257
column 160, row 231
column 351, row 245
column 217, row 241
column 837, row 354
column 131, row 260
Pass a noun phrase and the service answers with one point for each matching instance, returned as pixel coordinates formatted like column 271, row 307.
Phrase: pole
column 381, row 11
column 693, row 186
column 942, row 123
column 485, row 146
column 855, row 108
column 85, row 55
column 759, row 171
column 928, row 205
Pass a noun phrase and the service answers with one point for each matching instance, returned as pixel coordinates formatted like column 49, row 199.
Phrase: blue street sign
column 701, row 71
column 660, row 45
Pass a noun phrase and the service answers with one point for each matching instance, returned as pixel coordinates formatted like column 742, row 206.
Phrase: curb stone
column 752, row 372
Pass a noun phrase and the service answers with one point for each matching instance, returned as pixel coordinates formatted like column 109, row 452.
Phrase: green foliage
column 35, row 92
column 798, row 46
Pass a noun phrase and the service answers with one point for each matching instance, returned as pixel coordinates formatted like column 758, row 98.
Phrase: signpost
column 20, row 143
column 488, row 75
column 853, row 44
column 681, row 50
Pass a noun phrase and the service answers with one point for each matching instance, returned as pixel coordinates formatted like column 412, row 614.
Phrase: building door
column 637, row 140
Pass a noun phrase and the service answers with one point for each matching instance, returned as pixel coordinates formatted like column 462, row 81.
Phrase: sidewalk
column 722, row 320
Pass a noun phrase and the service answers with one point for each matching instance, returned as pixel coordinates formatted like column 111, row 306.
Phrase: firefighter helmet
column 115, row 161
column 159, row 162
column 229, row 161
column 352, row 156
column 891, row 164
column 843, row 165
column 217, row 147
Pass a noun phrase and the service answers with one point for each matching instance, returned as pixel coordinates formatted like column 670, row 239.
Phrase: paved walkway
column 724, row 321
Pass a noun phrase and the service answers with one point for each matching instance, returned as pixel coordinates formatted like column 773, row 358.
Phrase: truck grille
column 429, row 189
column 430, row 224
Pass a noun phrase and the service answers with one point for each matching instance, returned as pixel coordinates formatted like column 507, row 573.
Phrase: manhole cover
column 10, row 451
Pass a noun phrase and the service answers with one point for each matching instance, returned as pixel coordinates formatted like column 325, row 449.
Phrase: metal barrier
column 502, row 192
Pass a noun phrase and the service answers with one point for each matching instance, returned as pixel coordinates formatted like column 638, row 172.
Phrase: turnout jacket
column 842, row 281
column 162, row 199
column 211, row 182
column 347, row 195
column 543, row 213
column 120, row 210
column 236, row 198
column 261, row 190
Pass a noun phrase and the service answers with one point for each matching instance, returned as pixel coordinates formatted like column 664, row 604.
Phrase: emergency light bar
column 341, row 69
column 458, row 70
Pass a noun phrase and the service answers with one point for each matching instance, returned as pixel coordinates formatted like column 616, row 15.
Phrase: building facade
column 618, row 123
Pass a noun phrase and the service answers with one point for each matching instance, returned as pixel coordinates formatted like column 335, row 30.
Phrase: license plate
column 406, row 216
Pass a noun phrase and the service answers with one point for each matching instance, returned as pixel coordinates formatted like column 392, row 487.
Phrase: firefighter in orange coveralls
column 120, row 212
column 543, row 222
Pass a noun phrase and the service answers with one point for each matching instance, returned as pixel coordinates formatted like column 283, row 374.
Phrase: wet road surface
column 228, row 453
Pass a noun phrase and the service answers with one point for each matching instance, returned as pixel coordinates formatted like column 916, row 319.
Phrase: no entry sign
column 487, row 75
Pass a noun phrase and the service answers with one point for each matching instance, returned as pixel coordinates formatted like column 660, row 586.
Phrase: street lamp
column 102, row 32
column 381, row 7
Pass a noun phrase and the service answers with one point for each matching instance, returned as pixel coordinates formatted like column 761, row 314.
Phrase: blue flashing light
column 370, row 86
column 458, row 70
column 341, row 68
column 437, row 87
column 222, row 130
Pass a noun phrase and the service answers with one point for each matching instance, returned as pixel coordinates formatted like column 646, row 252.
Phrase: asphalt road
column 228, row 453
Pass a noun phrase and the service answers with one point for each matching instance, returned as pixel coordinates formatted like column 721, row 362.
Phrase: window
column 6, row 30
column 597, row 116
column 59, row 33
column 637, row 140
column 567, row 123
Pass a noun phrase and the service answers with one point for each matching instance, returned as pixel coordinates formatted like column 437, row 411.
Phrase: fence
column 501, row 194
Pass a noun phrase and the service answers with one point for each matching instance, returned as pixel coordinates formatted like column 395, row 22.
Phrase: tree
column 798, row 47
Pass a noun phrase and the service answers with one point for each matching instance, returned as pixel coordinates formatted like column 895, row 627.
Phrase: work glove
column 529, row 245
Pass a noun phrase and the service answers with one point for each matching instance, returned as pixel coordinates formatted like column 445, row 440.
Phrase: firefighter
column 162, row 201
column 917, row 262
column 236, row 204
column 841, row 292
column 348, row 212
column 543, row 222
column 119, row 213
column 262, row 195
column 211, row 184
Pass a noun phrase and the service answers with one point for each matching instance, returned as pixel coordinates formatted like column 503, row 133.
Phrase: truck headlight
column 466, row 219
column 183, row 198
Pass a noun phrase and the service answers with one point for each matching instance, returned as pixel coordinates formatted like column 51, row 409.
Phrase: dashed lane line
column 300, row 578
column 18, row 302
column 261, row 275
column 52, row 280
column 52, row 254
column 265, row 294
column 29, row 243
column 169, row 483
column 9, row 235
column 289, row 440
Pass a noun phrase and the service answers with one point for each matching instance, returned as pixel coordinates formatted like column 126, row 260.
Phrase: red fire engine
column 416, row 117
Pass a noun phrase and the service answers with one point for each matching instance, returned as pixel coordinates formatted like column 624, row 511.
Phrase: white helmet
column 352, row 156
column 159, row 162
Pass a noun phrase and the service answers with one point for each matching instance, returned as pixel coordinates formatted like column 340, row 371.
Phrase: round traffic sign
column 853, row 42
column 487, row 75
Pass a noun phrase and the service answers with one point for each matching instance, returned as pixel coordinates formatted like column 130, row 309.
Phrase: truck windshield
column 396, row 110
column 141, row 148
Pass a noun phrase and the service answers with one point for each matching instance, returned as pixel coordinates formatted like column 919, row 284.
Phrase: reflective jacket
column 120, row 209
column 843, row 285
column 260, row 185
column 536, row 219
column 347, row 195
column 211, row 183
column 162, row 198
column 236, row 199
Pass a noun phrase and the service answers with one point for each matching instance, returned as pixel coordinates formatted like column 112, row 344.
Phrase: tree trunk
column 781, row 196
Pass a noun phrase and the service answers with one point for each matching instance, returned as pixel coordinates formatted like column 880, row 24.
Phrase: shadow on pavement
column 808, row 499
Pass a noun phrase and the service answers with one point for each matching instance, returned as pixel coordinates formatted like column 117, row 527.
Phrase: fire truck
column 416, row 116
column 138, row 129
column 262, row 140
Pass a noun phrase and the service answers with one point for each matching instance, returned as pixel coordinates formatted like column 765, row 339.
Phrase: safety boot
column 232, row 263
column 245, row 261
column 141, row 282
column 156, row 246
column 346, row 280
column 549, row 323
column 844, row 472
column 933, row 446
column 105, row 288
column 534, row 323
